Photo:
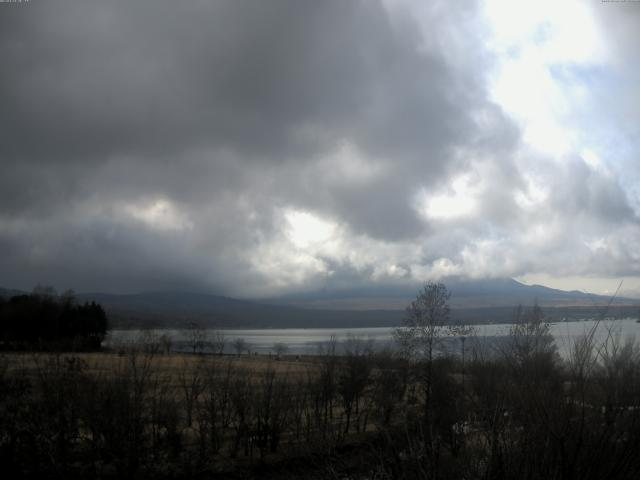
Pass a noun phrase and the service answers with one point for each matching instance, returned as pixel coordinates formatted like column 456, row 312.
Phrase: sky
column 256, row 149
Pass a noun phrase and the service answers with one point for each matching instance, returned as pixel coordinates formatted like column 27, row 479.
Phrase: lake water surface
column 310, row 340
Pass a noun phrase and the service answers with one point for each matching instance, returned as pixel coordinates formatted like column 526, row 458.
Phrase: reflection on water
column 305, row 341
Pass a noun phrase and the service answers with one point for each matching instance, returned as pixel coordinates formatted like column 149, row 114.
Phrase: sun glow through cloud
column 529, row 40
column 160, row 214
column 306, row 230
column 458, row 201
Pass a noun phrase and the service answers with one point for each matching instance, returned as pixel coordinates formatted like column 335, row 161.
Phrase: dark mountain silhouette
column 164, row 309
column 484, row 301
column 500, row 292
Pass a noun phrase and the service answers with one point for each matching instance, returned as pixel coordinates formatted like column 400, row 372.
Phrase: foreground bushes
column 515, row 410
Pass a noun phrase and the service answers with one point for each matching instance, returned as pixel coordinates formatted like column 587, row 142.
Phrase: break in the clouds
column 256, row 148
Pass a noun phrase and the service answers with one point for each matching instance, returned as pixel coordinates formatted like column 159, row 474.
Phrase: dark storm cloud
column 159, row 144
column 225, row 108
column 144, row 77
column 89, row 82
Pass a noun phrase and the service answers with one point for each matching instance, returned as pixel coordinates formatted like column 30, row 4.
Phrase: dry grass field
column 168, row 365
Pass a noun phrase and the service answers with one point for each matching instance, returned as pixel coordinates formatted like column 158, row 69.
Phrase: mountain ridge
column 499, row 292
column 485, row 301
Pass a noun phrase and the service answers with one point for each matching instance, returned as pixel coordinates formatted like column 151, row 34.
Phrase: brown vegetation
column 514, row 410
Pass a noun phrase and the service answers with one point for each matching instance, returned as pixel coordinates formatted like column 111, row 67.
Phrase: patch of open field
column 169, row 365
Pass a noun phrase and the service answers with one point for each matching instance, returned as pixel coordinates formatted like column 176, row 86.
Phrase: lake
column 309, row 340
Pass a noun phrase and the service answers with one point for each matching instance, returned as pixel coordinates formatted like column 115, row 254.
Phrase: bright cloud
column 531, row 39
column 160, row 214
column 458, row 201
column 305, row 230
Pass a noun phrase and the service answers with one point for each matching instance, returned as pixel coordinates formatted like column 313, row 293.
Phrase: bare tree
column 323, row 386
column 354, row 376
column 530, row 335
column 44, row 291
column 68, row 298
column 218, row 341
column 191, row 383
column 280, row 349
column 196, row 337
column 148, row 341
column 240, row 345
column 166, row 342
column 426, row 323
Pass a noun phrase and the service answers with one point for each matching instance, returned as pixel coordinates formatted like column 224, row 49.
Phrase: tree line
column 512, row 409
column 45, row 320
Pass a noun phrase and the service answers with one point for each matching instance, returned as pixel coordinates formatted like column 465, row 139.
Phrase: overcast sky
column 255, row 148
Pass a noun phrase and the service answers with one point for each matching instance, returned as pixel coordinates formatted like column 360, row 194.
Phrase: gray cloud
column 158, row 144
